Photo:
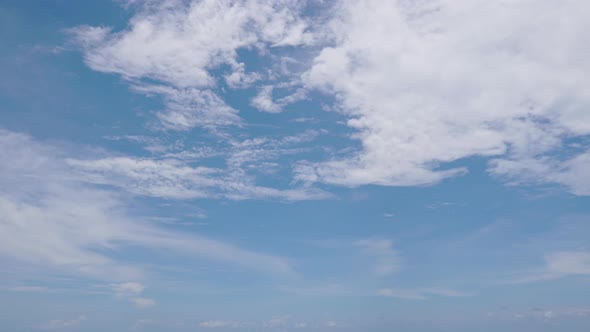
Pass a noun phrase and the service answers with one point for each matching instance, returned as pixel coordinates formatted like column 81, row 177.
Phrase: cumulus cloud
column 177, row 44
column 426, row 83
column 265, row 102
column 423, row 83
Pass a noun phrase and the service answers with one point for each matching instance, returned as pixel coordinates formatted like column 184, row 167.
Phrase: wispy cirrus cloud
column 419, row 293
column 558, row 265
column 59, row 324
column 132, row 291
column 545, row 314
column 55, row 219
column 387, row 259
column 173, row 175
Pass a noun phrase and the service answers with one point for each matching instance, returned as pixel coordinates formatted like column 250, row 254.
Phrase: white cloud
column 300, row 325
column 264, row 101
column 559, row 265
column 238, row 78
column 572, row 173
column 158, row 178
column 275, row 323
column 173, row 175
column 190, row 107
column 419, row 293
column 568, row 262
column 132, row 291
column 142, row 302
column 128, row 288
column 218, row 324
column 331, row 323
column 423, row 83
column 169, row 178
column 53, row 219
column 229, row 324
column 178, row 43
column 542, row 314
column 387, row 259
column 429, row 82
column 58, row 324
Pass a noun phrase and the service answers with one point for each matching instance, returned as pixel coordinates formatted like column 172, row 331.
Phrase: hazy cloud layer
column 53, row 218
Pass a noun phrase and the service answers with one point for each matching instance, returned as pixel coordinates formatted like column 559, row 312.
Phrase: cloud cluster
column 426, row 83
column 423, row 83
column 172, row 48
column 265, row 102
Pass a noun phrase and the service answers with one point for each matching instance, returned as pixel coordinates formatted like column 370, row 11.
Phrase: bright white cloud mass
column 423, row 83
column 295, row 165
column 430, row 82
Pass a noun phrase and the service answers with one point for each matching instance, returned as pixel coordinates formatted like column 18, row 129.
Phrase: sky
column 284, row 165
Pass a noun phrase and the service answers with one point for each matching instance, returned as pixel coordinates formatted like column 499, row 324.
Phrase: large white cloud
column 434, row 81
column 423, row 83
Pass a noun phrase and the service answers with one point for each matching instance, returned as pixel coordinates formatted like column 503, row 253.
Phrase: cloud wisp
column 558, row 265
column 387, row 260
column 55, row 219
column 419, row 293
column 59, row 324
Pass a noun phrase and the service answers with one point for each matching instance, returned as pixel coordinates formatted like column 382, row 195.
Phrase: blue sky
column 294, row 166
